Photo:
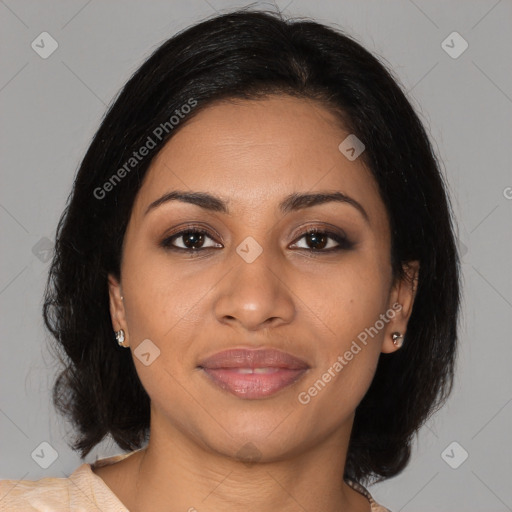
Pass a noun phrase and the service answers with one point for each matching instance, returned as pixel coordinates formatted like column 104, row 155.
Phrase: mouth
column 253, row 374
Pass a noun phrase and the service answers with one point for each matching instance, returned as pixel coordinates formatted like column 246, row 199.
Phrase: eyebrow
column 292, row 202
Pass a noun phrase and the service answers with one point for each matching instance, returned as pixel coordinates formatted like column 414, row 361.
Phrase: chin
column 257, row 437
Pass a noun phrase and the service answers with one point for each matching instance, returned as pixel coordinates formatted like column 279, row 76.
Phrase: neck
column 186, row 476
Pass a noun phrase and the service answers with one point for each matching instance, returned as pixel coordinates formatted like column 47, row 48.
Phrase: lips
column 253, row 374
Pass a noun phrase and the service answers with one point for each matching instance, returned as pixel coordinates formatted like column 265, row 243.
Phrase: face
column 254, row 269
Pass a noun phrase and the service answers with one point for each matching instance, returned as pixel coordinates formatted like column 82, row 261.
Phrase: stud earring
column 120, row 338
column 398, row 339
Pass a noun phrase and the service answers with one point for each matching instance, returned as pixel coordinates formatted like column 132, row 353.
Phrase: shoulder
column 37, row 495
column 81, row 491
column 375, row 507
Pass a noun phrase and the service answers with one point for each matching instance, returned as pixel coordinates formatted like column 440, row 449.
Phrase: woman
column 255, row 285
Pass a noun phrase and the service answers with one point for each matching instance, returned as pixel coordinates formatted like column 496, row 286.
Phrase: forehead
column 255, row 151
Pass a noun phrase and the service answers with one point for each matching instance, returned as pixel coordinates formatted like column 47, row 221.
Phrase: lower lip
column 253, row 385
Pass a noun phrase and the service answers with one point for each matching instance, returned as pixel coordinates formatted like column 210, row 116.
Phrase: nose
column 255, row 295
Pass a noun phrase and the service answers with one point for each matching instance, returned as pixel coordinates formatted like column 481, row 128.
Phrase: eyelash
column 343, row 242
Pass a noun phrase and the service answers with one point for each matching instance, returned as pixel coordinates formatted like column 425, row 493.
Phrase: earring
column 120, row 338
column 398, row 339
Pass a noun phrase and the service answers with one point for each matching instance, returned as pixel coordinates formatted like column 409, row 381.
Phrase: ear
column 401, row 301
column 117, row 312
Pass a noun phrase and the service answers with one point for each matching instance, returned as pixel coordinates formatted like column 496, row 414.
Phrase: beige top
column 84, row 491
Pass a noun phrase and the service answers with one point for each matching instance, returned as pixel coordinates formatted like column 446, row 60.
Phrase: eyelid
column 187, row 227
column 319, row 227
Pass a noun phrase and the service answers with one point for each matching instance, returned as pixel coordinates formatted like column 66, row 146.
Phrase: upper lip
column 253, row 358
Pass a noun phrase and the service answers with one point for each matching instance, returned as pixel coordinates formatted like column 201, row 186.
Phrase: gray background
column 52, row 107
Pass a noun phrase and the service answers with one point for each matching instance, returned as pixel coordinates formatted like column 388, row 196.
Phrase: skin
column 313, row 305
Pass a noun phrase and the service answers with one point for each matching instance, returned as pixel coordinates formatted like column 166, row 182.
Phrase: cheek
column 349, row 306
column 161, row 294
column 351, row 297
column 332, row 393
column 347, row 357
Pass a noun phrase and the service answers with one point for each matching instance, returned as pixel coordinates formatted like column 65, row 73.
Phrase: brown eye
column 192, row 239
column 317, row 240
column 189, row 240
column 323, row 241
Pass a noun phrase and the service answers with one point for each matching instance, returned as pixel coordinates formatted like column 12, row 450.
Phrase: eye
column 194, row 240
column 316, row 240
column 190, row 239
